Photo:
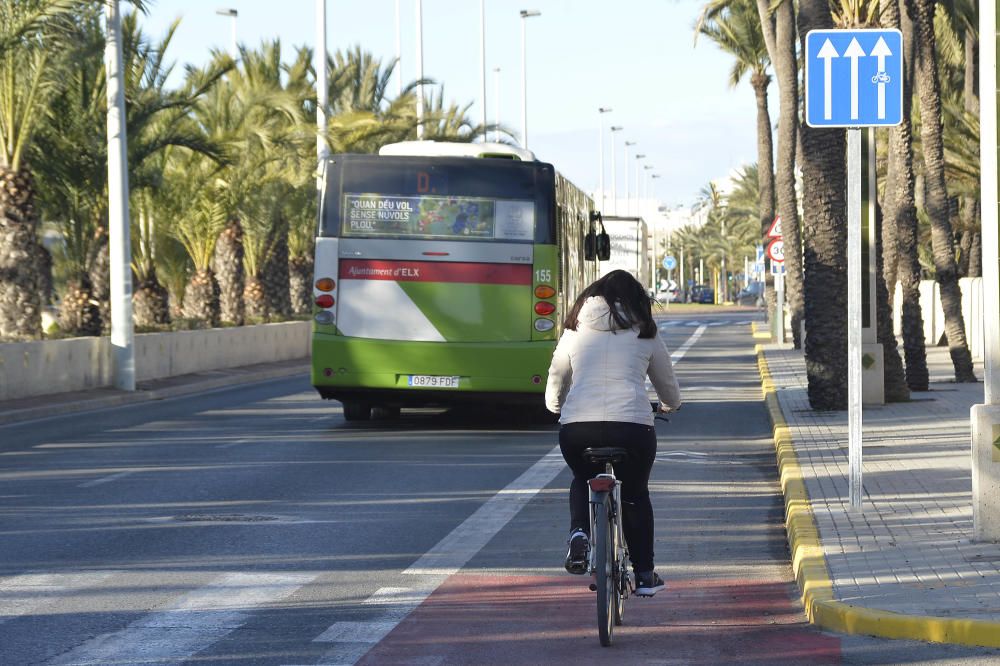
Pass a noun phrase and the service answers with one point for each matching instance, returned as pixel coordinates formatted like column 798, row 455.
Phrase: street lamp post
column 482, row 60
column 399, row 54
column 614, row 171
column 525, row 15
column 231, row 13
column 496, row 103
column 600, row 150
column 119, row 244
column 322, row 98
column 420, row 70
column 628, row 194
column 638, row 158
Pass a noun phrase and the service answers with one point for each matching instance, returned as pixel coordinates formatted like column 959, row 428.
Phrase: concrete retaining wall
column 56, row 366
column 933, row 315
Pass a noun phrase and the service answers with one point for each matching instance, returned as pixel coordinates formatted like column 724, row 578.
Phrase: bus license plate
column 432, row 381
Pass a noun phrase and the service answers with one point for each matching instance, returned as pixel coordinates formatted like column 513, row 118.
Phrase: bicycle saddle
column 612, row 454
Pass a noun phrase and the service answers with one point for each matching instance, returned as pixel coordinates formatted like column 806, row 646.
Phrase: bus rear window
column 437, row 217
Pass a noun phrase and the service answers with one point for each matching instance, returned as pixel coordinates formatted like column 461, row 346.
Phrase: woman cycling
column 597, row 384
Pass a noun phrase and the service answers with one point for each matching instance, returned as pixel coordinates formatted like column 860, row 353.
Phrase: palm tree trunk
column 893, row 375
column 824, row 185
column 275, row 273
column 255, row 297
column 976, row 254
column 787, row 71
column 201, row 298
column 20, row 303
column 151, row 303
column 900, row 213
column 765, row 152
column 936, row 196
column 228, row 267
column 100, row 278
column 79, row 314
column 300, row 273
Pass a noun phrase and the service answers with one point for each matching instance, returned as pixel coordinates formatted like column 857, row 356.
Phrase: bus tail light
column 542, row 325
column 326, row 284
column 324, row 301
column 544, row 291
column 544, row 308
column 324, row 317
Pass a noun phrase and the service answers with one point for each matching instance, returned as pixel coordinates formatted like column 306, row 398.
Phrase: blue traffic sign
column 854, row 78
column 669, row 262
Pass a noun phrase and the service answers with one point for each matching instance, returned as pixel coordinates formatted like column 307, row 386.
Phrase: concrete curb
column 120, row 398
column 760, row 331
column 809, row 561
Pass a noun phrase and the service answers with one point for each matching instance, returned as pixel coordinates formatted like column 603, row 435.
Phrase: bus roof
column 450, row 149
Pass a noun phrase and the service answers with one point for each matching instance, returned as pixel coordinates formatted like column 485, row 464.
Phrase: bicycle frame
column 606, row 487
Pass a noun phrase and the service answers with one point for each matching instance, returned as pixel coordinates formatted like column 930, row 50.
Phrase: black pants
column 637, row 514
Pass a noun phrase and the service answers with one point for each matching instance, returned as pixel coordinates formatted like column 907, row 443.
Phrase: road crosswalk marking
column 694, row 323
column 27, row 594
column 190, row 624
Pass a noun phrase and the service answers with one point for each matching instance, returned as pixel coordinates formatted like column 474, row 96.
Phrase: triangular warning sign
column 775, row 230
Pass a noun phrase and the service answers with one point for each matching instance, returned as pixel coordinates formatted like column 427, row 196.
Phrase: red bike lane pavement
column 477, row 618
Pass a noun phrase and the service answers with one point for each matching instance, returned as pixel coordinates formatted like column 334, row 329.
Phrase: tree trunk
column 255, row 298
column 300, row 273
column 824, row 187
column 765, row 153
column 937, row 206
column 79, row 314
column 100, row 278
column 228, row 267
column 275, row 272
column 787, row 71
column 900, row 211
column 20, row 302
column 151, row 303
column 894, row 378
column 201, row 298
column 976, row 255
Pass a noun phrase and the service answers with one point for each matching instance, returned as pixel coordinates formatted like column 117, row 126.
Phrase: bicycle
column 608, row 558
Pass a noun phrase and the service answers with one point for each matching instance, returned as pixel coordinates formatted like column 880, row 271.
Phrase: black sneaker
column 576, row 556
column 647, row 584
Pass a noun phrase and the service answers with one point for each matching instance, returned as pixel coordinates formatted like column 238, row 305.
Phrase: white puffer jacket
column 598, row 373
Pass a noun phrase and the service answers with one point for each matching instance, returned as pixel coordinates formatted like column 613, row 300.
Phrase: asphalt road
column 255, row 525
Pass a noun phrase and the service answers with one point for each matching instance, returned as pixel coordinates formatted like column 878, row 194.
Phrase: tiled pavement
column 909, row 551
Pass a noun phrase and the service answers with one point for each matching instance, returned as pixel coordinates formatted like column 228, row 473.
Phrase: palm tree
column 936, row 192
column 899, row 234
column 824, row 183
column 31, row 37
column 735, row 27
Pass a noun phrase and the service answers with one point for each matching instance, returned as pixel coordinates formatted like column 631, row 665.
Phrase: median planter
column 56, row 366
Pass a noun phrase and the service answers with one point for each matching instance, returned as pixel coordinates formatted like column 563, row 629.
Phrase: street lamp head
column 227, row 12
column 648, row 166
column 604, row 109
column 639, row 157
column 655, row 175
column 496, row 69
column 616, row 128
column 630, row 143
column 527, row 13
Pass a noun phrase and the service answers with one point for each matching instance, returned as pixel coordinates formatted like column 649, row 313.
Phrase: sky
column 638, row 57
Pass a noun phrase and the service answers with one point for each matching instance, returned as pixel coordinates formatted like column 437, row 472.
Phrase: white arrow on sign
column 854, row 51
column 827, row 54
column 880, row 51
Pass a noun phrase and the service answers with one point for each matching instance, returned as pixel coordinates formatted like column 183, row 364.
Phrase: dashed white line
column 105, row 479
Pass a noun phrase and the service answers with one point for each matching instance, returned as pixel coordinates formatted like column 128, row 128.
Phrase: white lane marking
column 448, row 556
column 679, row 354
column 26, row 594
column 235, row 442
column 190, row 624
column 105, row 479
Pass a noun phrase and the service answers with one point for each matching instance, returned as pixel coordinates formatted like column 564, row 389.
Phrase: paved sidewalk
column 26, row 409
column 909, row 552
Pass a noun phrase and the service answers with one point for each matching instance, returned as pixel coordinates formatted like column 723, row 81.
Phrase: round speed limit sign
column 776, row 250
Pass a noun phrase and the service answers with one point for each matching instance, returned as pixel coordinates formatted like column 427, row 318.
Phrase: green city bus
column 442, row 274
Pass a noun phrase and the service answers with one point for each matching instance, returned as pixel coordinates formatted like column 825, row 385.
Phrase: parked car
column 667, row 296
column 752, row 294
column 701, row 293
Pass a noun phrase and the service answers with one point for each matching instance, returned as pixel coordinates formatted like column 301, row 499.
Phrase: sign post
column 854, row 79
column 776, row 253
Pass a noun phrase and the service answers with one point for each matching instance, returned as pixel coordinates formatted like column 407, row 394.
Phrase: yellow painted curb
column 760, row 331
column 809, row 563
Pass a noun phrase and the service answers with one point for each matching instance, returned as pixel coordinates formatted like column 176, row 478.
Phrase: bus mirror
column 590, row 246
column 603, row 246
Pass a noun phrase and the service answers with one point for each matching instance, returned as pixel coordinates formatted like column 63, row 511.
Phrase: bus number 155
column 543, row 275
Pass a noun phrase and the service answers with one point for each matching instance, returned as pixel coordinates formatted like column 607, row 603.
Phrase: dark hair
column 627, row 300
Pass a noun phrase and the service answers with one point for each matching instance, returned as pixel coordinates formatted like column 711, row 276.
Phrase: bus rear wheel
column 357, row 411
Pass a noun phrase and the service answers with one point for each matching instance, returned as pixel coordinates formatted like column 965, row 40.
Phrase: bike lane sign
column 854, row 78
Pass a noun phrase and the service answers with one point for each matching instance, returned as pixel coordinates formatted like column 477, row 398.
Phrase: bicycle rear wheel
column 621, row 577
column 607, row 591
